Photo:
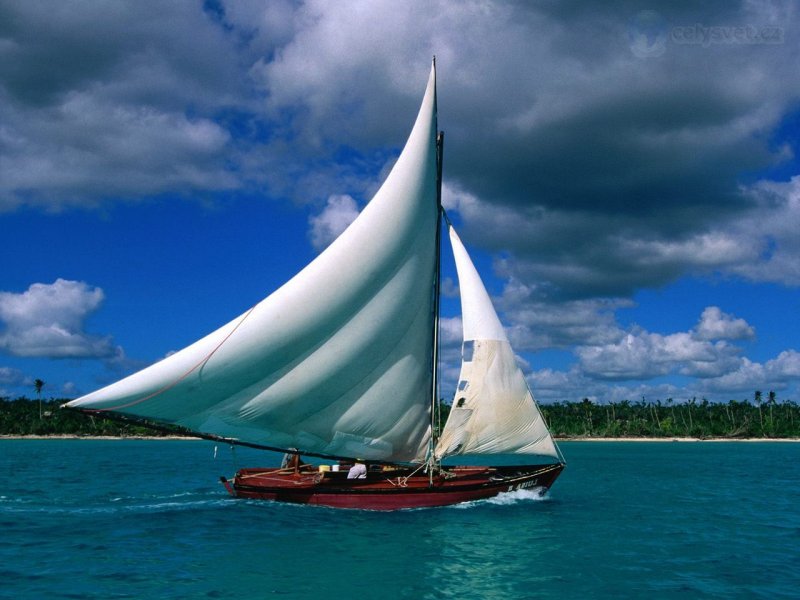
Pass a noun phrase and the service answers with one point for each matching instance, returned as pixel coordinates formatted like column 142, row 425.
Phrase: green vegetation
column 44, row 417
column 737, row 419
column 703, row 419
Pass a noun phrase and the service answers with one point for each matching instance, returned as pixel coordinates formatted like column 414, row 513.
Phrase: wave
column 117, row 505
column 517, row 496
column 507, row 499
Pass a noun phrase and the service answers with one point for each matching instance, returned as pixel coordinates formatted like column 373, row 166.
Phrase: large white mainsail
column 493, row 410
column 337, row 361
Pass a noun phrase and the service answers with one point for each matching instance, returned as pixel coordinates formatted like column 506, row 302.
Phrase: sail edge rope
column 171, row 385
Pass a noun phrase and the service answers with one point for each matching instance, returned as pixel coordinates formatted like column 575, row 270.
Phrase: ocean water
column 148, row 519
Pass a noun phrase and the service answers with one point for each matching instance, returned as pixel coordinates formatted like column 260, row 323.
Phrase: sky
column 625, row 175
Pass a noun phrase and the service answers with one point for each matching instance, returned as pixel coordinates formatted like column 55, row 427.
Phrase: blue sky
column 626, row 177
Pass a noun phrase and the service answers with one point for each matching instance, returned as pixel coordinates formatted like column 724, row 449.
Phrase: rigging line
column 403, row 481
column 171, row 385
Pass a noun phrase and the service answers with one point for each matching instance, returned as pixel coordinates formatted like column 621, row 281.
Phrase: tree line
column 759, row 418
column 700, row 419
column 23, row 416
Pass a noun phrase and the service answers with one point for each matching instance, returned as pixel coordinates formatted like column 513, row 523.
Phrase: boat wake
column 507, row 499
column 118, row 505
column 517, row 496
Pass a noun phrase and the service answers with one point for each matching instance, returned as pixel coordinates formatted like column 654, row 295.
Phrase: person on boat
column 291, row 461
column 357, row 471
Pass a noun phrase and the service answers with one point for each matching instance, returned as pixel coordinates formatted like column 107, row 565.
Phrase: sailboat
column 341, row 364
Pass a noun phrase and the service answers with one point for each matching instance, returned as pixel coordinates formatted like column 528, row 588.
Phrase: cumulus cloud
column 735, row 382
column 770, row 231
column 703, row 352
column 534, row 323
column 786, row 365
column 775, row 374
column 450, row 338
column 338, row 213
column 644, row 355
column 101, row 103
column 716, row 325
column 47, row 321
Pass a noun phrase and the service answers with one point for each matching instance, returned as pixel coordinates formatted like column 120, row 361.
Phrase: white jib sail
column 493, row 410
column 338, row 360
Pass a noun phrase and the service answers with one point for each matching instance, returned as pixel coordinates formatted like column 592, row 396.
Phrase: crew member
column 357, row 471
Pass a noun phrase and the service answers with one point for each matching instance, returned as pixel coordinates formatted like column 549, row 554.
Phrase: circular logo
column 647, row 34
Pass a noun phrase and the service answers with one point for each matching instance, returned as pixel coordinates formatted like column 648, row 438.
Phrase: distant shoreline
column 558, row 439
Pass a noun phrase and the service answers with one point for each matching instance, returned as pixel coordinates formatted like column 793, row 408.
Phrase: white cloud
column 47, row 321
column 126, row 151
column 703, row 354
column 337, row 215
column 449, row 288
column 748, row 377
column 450, row 338
column 785, row 366
column 535, row 323
column 552, row 385
column 716, row 325
column 770, row 228
column 642, row 355
column 451, row 331
column 10, row 376
column 775, row 374
column 103, row 104
column 639, row 356
column 339, row 50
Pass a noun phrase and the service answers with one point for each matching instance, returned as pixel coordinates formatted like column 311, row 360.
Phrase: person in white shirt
column 357, row 471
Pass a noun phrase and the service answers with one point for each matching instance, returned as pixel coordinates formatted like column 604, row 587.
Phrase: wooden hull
column 389, row 488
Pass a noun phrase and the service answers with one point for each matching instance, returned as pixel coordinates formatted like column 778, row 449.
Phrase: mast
column 436, row 284
column 436, row 294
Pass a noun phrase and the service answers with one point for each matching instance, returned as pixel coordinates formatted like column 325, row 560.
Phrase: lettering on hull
column 524, row 485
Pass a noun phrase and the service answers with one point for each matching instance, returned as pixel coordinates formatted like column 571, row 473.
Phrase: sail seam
column 186, row 374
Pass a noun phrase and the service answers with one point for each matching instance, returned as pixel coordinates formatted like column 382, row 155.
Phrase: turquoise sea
column 148, row 519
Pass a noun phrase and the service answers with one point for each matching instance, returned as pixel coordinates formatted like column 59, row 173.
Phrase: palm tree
column 771, row 403
column 587, row 407
column 39, row 384
column 757, row 399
